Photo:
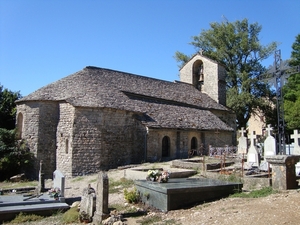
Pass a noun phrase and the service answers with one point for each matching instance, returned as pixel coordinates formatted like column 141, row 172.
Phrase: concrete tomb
column 252, row 156
column 182, row 192
column 242, row 146
column 283, row 171
column 41, row 204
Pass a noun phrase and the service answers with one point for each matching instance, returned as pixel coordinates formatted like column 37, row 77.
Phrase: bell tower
column 206, row 75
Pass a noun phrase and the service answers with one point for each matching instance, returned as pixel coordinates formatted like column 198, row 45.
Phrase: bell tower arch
column 206, row 75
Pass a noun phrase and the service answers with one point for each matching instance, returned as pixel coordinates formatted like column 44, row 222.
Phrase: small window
column 19, row 126
column 67, row 146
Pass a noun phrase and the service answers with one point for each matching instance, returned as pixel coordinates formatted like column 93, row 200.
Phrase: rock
column 17, row 178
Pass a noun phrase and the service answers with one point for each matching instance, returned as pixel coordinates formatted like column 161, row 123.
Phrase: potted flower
column 153, row 175
column 54, row 193
column 156, row 175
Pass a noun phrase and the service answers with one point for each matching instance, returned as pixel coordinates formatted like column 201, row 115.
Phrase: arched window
column 194, row 143
column 19, row 126
column 165, row 146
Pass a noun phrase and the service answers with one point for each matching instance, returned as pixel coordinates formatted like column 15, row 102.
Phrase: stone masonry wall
column 64, row 136
column 230, row 120
column 104, row 139
column 180, row 143
column 39, row 130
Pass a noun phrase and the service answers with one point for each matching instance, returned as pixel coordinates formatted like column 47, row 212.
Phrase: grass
column 23, row 217
column 115, row 186
column 70, row 216
column 255, row 193
column 77, row 179
column 7, row 184
column 156, row 219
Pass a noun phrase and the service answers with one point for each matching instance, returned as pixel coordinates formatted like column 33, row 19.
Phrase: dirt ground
column 279, row 208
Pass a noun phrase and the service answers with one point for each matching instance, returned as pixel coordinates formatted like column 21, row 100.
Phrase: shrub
column 131, row 196
column 15, row 157
column 70, row 216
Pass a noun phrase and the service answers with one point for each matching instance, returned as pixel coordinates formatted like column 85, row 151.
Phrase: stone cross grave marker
column 296, row 137
column 41, row 185
column 59, row 182
column 269, row 143
column 101, row 198
column 252, row 156
column 242, row 146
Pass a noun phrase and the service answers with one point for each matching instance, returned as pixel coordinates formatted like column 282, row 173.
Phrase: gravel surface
column 279, row 208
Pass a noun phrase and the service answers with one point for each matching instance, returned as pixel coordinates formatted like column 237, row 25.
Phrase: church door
column 165, row 146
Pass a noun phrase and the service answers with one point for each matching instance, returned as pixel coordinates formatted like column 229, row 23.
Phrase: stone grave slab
column 11, row 205
column 181, row 192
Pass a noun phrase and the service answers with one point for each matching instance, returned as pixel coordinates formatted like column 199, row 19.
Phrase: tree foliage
column 292, row 91
column 8, row 108
column 15, row 157
column 236, row 46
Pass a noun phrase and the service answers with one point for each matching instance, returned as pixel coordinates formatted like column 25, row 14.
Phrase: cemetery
column 189, row 181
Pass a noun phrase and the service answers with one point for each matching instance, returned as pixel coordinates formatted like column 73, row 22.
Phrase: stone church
column 98, row 119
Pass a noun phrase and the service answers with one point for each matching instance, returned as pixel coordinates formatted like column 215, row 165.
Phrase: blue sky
column 44, row 41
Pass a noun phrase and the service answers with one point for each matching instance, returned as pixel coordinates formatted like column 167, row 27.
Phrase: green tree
column 8, row 108
column 15, row 157
column 236, row 46
column 292, row 91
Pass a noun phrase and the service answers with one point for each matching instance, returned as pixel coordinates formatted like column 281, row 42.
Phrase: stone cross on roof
column 252, row 138
column 242, row 131
column 295, row 136
column 269, row 129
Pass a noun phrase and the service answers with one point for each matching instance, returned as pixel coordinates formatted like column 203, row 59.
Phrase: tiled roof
column 169, row 104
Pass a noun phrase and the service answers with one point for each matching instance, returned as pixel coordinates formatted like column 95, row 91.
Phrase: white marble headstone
column 296, row 137
column 252, row 156
column 269, row 143
column 242, row 146
column 59, row 182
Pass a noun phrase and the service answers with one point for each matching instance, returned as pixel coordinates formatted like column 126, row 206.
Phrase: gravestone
column 87, row 205
column 242, row 146
column 252, row 156
column 269, row 143
column 296, row 137
column 59, row 182
column 101, row 198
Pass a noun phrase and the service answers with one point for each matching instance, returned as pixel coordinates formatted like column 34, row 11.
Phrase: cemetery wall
column 39, row 129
